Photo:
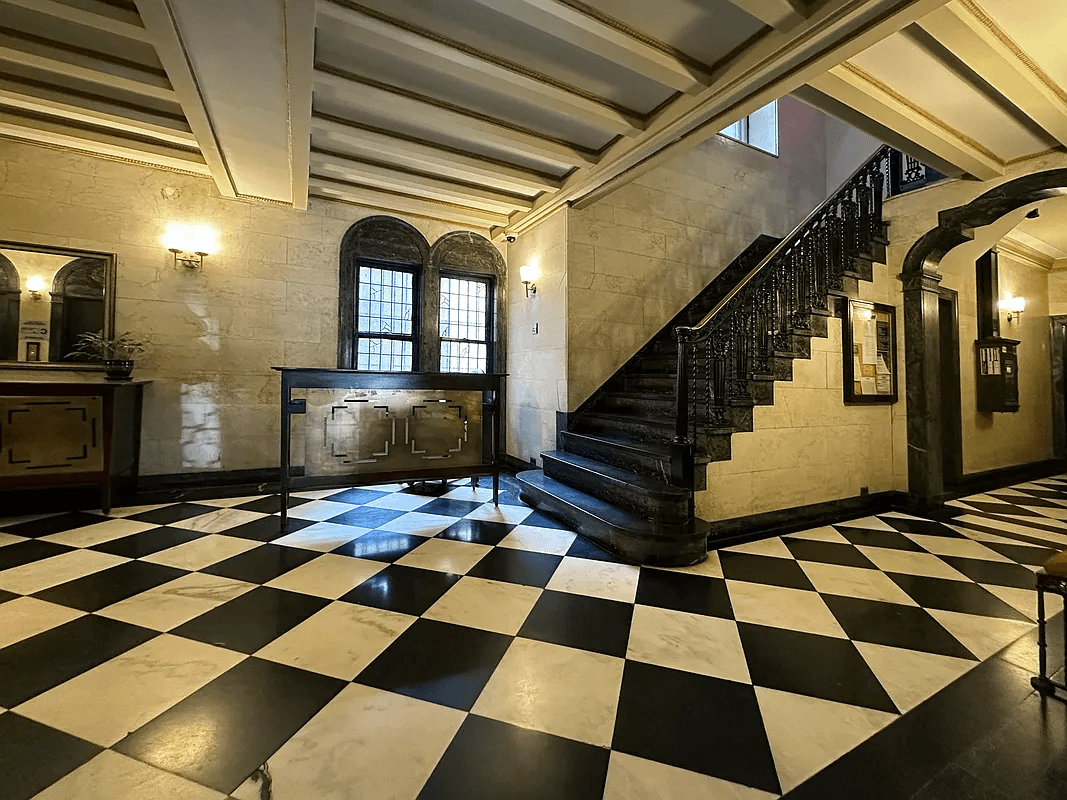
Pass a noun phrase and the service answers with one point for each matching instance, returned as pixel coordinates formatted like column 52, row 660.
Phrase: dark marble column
column 922, row 370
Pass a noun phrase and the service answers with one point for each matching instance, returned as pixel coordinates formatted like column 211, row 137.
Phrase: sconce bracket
column 189, row 260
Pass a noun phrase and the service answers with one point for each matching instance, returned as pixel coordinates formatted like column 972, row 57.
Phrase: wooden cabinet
column 58, row 433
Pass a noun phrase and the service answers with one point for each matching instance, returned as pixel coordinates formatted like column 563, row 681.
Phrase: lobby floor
column 400, row 645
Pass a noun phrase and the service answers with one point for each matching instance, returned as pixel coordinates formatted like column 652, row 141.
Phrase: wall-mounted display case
column 869, row 339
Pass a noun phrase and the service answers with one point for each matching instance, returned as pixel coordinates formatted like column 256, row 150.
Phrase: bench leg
column 1041, row 683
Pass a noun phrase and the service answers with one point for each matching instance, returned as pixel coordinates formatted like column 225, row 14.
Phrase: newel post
column 682, row 447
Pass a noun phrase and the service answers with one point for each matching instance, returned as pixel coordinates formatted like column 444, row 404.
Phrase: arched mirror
column 48, row 297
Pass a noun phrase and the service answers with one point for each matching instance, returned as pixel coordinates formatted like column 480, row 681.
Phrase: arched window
column 10, row 289
column 77, row 304
column 406, row 306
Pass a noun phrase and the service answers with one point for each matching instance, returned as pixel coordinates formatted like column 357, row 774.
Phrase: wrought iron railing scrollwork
column 740, row 336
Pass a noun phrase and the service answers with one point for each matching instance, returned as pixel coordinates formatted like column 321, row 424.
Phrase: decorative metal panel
column 386, row 430
column 51, row 435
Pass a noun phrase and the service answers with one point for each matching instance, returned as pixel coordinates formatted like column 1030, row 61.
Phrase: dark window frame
column 416, row 309
column 490, row 340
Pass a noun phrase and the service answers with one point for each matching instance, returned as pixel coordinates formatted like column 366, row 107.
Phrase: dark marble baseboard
column 978, row 482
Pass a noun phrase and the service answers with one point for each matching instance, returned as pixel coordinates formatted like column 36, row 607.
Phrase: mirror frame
column 110, row 263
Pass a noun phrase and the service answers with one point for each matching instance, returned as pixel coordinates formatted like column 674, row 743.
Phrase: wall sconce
column 190, row 243
column 1014, row 306
column 528, row 274
column 35, row 285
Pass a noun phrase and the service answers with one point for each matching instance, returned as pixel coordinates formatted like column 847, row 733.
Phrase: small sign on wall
column 33, row 329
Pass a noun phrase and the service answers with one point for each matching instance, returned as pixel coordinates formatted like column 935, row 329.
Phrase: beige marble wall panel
column 267, row 297
column 1057, row 292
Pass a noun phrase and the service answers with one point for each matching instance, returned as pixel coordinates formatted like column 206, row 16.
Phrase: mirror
column 48, row 297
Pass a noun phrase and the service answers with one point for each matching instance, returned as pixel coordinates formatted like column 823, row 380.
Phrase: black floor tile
column 34, row 756
column 5, row 596
column 479, row 531
column 174, row 513
column 817, row 666
column 263, row 564
column 428, row 489
column 512, row 499
column 695, row 722
column 516, row 566
column 44, row 661
column 1033, row 501
column 1045, row 494
column 221, row 733
column 449, row 508
column 367, row 517
column 970, row 598
column 539, row 520
column 407, row 590
column 696, row 594
column 1010, row 509
column 55, row 524
column 872, row 538
column 271, row 504
column 381, row 546
column 253, row 620
column 101, row 589
column 19, row 553
column 923, row 527
column 267, row 529
column 844, row 555
column 894, row 625
column 764, row 569
column 139, row 545
column 585, row 623
column 1030, row 554
column 583, row 548
column 998, row 573
column 957, row 784
column 357, row 497
column 439, row 662
column 491, row 760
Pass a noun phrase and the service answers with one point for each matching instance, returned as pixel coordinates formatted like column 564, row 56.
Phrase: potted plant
column 117, row 352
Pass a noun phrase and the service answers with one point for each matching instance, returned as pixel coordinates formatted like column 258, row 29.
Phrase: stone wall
column 1057, row 289
column 639, row 255
column 268, row 297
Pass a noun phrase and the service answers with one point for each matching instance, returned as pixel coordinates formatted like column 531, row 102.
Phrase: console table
column 56, row 432
column 360, row 428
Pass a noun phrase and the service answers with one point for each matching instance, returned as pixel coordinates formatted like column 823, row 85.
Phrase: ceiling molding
column 612, row 41
column 392, row 179
column 400, row 202
column 424, row 47
column 489, row 129
column 769, row 67
column 446, row 161
column 300, row 77
column 860, row 90
column 1024, row 253
column 158, row 19
column 91, row 13
column 782, row 15
column 972, row 36
column 70, row 148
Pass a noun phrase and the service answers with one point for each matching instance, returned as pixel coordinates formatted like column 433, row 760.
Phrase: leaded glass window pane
column 464, row 326
column 385, row 318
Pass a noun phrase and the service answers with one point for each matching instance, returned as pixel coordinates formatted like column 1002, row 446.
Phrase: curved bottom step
column 627, row 535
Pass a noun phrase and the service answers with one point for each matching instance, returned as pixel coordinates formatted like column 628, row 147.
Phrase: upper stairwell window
column 759, row 129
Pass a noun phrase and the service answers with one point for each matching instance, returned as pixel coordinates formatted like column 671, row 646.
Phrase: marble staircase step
column 644, row 458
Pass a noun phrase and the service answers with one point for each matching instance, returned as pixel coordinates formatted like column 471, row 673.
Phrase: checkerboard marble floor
column 393, row 644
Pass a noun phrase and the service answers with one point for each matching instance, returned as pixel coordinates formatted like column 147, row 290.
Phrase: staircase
column 626, row 469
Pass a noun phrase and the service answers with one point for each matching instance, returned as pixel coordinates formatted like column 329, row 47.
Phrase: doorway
column 1058, row 351
column 951, row 403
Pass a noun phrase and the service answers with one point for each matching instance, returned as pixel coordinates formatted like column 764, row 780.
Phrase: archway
column 77, row 304
column 10, row 290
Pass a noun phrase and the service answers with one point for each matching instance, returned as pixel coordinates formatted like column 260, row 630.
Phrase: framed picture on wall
column 869, row 339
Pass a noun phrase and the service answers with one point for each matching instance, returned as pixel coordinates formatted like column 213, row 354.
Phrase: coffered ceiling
column 484, row 112
column 970, row 88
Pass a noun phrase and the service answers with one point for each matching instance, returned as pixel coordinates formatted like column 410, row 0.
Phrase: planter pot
column 118, row 370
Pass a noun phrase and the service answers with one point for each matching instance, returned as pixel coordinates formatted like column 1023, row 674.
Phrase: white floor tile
column 779, row 607
column 104, row 531
column 40, row 575
column 24, row 617
column 445, row 555
column 688, row 642
column 489, row 605
column 328, row 576
column 111, row 776
column 539, row 540
column 322, row 536
column 202, row 552
column 218, row 521
column 168, row 606
column 596, row 579
column 633, row 778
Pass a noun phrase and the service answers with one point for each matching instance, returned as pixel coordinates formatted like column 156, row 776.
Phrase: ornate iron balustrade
column 902, row 173
column 755, row 324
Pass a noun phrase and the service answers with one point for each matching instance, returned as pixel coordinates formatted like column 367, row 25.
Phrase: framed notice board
column 869, row 337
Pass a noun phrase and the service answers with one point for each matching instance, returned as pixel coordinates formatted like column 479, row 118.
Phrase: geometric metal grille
column 51, row 435
column 385, row 311
column 464, row 324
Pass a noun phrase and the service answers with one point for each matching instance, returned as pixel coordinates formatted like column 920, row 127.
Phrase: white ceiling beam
column 159, row 21
column 446, row 163
column 991, row 53
column 57, row 61
column 498, row 134
column 93, row 14
column 366, row 196
column 422, row 185
column 849, row 85
column 300, row 72
column 782, row 15
column 95, row 141
column 612, row 44
column 93, row 110
column 482, row 72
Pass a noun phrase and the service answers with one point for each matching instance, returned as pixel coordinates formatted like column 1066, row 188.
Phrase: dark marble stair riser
column 669, row 506
column 713, row 443
column 799, row 344
column 781, row 364
column 644, row 382
column 849, row 287
column 761, row 389
column 863, row 267
column 738, row 415
column 657, row 363
column 631, row 538
column 634, row 458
